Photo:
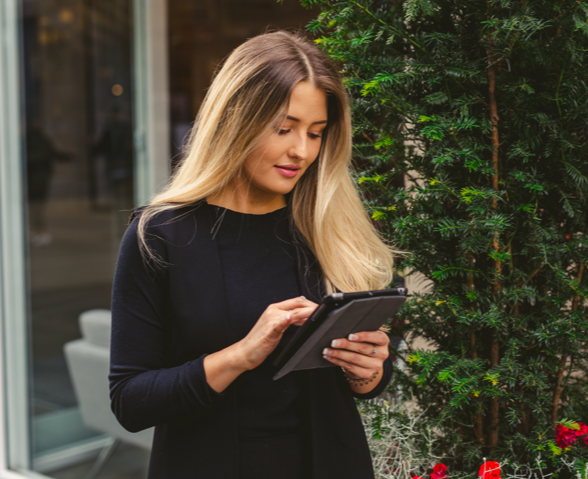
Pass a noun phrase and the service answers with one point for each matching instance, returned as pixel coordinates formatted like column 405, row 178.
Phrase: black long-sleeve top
column 258, row 269
column 166, row 319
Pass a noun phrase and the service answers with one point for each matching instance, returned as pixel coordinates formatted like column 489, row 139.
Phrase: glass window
column 78, row 137
column 78, row 149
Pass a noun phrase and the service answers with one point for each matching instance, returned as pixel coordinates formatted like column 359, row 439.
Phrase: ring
column 374, row 352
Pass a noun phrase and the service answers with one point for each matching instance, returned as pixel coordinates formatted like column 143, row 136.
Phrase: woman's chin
column 280, row 189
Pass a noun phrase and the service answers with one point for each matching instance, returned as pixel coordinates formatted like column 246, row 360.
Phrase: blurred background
column 81, row 75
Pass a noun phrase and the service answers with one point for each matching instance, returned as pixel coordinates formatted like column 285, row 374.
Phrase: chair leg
column 104, row 455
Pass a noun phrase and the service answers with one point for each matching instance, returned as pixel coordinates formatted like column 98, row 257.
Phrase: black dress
column 166, row 319
column 257, row 262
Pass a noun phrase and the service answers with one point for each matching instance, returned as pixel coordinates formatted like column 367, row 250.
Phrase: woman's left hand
column 361, row 355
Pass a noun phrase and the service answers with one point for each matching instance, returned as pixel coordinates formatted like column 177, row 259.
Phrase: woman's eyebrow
column 313, row 123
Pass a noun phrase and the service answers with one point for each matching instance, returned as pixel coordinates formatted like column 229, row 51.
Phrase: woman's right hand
column 223, row 367
column 267, row 332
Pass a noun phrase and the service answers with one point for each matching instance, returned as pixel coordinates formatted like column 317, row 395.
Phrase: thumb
column 282, row 323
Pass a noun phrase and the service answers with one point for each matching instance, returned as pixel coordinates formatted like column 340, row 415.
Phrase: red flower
column 417, row 477
column 439, row 472
column 582, row 432
column 567, row 236
column 566, row 436
column 490, row 470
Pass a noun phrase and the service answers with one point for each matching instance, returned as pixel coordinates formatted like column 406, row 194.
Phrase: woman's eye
column 314, row 135
column 283, row 132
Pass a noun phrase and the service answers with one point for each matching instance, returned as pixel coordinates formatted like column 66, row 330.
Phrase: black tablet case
column 358, row 315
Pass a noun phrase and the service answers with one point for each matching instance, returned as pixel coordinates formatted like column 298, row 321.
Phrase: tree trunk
column 494, row 349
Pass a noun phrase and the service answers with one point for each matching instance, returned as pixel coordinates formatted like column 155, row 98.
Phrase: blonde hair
column 247, row 98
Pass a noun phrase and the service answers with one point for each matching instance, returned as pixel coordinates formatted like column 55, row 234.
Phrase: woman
column 260, row 220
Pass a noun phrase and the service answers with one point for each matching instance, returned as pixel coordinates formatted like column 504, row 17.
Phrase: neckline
column 283, row 208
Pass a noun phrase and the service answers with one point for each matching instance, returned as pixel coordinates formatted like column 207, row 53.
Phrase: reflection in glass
column 78, row 140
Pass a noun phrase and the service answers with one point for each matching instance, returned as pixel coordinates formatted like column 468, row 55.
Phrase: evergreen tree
column 481, row 107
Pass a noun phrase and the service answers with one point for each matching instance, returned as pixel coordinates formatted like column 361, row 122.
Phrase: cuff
column 200, row 389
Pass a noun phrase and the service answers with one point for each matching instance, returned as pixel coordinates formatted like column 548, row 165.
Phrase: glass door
column 78, row 188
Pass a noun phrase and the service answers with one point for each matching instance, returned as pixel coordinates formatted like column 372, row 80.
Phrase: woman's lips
column 288, row 172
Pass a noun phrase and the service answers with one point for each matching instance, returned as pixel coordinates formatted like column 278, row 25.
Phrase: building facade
column 96, row 100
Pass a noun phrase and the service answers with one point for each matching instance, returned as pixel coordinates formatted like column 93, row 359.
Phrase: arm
column 144, row 392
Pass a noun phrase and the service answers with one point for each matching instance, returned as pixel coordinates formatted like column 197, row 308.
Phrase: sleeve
column 143, row 391
column 382, row 385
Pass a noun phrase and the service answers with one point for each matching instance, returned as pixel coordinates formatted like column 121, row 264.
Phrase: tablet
column 338, row 316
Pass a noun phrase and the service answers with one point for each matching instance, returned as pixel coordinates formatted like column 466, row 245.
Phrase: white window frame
column 14, row 397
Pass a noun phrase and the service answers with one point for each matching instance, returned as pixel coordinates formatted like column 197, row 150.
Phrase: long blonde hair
column 247, row 98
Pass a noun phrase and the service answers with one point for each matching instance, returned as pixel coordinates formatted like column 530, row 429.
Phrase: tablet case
column 357, row 315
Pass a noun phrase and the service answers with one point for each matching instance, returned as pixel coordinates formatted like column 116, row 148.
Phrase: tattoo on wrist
column 359, row 381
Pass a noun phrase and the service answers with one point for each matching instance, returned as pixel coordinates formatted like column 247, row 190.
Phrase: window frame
column 14, row 397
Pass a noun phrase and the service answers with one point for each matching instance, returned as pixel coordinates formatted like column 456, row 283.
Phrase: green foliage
column 493, row 211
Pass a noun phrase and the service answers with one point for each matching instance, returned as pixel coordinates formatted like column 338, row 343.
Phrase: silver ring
column 374, row 352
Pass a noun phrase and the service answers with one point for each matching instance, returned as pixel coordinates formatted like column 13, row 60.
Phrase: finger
column 366, row 349
column 379, row 338
column 299, row 322
column 299, row 302
column 278, row 324
column 300, row 313
column 361, row 360
column 353, row 369
column 299, row 317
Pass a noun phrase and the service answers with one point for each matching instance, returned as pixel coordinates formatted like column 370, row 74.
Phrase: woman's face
column 275, row 166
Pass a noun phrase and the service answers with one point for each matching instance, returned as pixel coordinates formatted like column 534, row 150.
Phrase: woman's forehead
column 308, row 104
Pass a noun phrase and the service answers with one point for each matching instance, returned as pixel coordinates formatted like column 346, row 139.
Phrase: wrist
column 237, row 358
column 357, row 381
column 222, row 368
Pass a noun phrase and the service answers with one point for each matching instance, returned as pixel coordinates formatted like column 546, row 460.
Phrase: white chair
column 88, row 361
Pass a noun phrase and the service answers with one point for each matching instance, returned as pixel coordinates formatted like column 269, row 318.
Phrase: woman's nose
column 299, row 147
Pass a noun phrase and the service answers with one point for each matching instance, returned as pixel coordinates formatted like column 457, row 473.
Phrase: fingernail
column 353, row 337
column 335, row 343
column 326, row 352
column 302, row 297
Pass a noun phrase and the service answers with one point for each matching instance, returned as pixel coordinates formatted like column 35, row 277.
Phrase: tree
column 482, row 107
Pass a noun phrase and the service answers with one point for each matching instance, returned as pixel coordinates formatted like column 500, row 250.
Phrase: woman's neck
column 245, row 202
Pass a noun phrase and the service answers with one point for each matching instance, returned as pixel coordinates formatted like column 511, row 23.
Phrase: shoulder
column 169, row 214
column 169, row 224
column 164, row 229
